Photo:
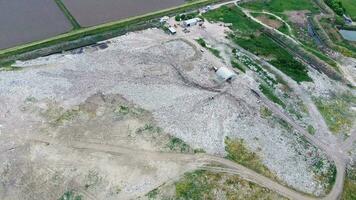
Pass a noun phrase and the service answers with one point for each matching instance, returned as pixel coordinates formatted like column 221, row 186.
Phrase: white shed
column 191, row 22
column 172, row 30
column 225, row 74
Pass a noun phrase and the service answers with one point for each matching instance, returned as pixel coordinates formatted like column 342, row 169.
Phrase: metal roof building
column 225, row 74
column 172, row 30
column 191, row 22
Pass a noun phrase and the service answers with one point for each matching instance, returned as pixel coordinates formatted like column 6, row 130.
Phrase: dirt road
column 199, row 160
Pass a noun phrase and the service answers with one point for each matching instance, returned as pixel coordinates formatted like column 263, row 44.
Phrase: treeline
column 336, row 6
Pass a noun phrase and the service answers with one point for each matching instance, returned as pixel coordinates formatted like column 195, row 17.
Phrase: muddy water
column 93, row 12
column 23, row 21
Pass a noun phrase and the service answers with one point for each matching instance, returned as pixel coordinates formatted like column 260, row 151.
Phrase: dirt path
column 248, row 14
column 277, row 17
column 199, row 160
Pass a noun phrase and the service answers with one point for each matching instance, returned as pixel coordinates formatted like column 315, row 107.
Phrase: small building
column 225, row 74
column 172, row 30
column 228, row 25
column 164, row 19
column 347, row 19
column 191, row 22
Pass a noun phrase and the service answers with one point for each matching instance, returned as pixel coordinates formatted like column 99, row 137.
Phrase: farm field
column 30, row 20
column 92, row 12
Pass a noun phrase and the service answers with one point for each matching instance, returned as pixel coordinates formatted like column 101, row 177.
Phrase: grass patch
column 152, row 194
column 265, row 112
column 8, row 66
column 234, row 16
column 337, row 112
column 70, row 195
column 151, row 128
column 269, row 93
column 325, row 173
column 236, row 65
column 182, row 17
column 205, row 185
column 176, row 144
column 202, row 43
column 311, row 130
column 238, row 152
column 349, row 192
column 278, row 6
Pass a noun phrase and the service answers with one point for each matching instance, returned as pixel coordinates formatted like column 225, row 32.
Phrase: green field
column 282, row 5
column 350, row 6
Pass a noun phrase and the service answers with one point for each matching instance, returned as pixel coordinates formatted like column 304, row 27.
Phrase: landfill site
column 118, row 119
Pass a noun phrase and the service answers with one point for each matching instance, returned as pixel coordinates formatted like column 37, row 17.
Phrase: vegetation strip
column 80, row 33
column 69, row 16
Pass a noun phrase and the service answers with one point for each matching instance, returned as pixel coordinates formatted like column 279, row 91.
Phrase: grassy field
column 350, row 6
column 282, row 5
column 247, row 34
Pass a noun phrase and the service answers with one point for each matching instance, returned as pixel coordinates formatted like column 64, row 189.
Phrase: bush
column 336, row 6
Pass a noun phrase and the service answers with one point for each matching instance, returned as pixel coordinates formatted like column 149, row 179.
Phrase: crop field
column 24, row 21
column 111, row 10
